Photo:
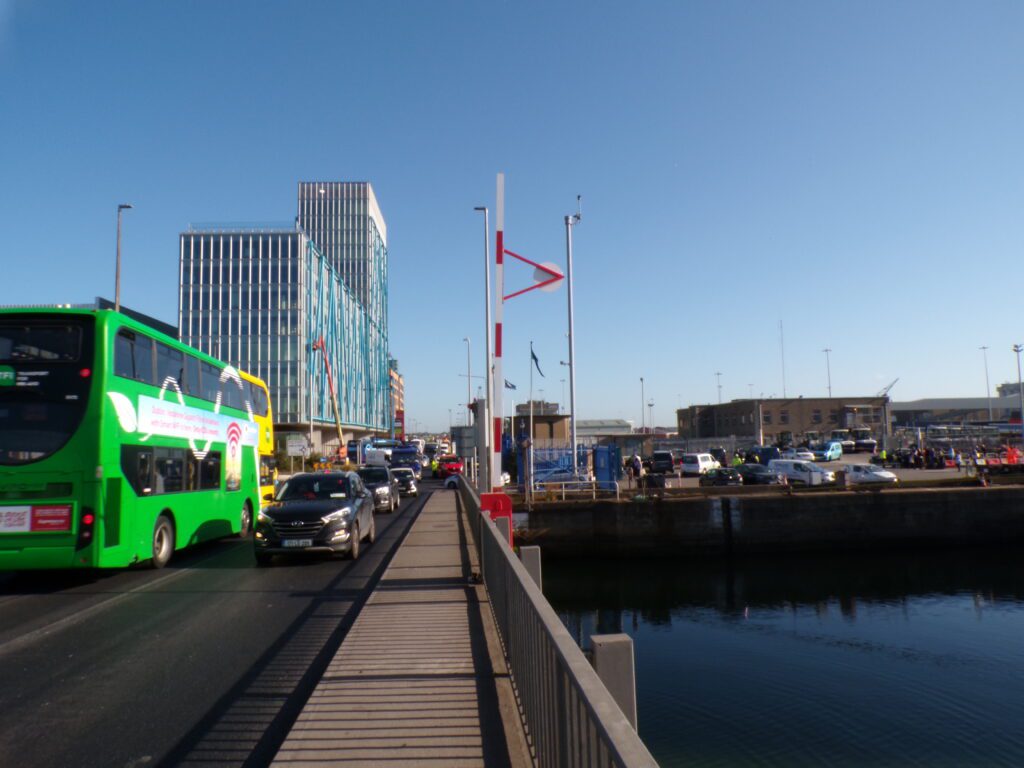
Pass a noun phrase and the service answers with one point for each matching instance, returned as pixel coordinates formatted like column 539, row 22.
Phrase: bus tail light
column 86, row 528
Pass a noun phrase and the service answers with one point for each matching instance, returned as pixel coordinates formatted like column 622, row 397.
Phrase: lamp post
column 988, row 390
column 485, row 464
column 562, row 400
column 828, row 370
column 570, row 222
column 117, row 267
column 642, row 400
column 650, row 412
column 718, row 375
column 1018, row 348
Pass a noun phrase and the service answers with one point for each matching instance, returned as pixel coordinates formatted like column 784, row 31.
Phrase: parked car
column 831, row 451
column 758, row 474
column 449, row 465
column 380, row 483
column 662, row 463
column 801, row 454
column 718, row 454
column 695, row 464
column 863, row 441
column 325, row 512
column 721, row 476
column 863, row 474
column 406, row 481
column 806, row 472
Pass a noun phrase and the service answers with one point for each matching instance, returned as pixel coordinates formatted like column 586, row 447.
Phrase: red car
column 448, row 466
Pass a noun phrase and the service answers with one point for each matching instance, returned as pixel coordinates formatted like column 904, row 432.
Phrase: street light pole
column 570, row 222
column 117, row 267
column 1018, row 348
column 650, row 412
column 718, row 374
column 828, row 369
column 642, row 401
column 485, row 464
column 988, row 389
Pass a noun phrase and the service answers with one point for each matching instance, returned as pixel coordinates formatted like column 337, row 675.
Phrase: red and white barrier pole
column 499, row 306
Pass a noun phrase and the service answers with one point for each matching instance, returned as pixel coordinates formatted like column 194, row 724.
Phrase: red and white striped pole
column 499, row 306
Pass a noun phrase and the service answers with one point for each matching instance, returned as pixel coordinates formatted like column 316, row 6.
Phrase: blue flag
column 509, row 384
column 536, row 362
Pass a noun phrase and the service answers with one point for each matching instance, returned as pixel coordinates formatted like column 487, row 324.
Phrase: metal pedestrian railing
column 571, row 719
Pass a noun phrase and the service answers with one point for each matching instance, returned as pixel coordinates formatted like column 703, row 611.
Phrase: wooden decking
column 420, row 679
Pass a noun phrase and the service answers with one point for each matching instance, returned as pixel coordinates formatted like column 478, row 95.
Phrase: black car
column 326, row 512
column 406, row 481
column 662, row 463
column 723, row 476
column 758, row 474
column 718, row 454
column 380, row 482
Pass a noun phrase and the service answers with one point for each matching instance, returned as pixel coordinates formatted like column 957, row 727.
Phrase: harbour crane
column 885, row 391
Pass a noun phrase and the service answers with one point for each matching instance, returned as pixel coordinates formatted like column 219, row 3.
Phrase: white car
column 695, row 464
column 806, row 472
column 862, row 474
column 800, row 454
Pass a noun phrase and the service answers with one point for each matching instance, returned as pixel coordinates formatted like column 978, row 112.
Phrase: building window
column 783, row 417
column 766, row 417
column 833, row 417
column 816, row 416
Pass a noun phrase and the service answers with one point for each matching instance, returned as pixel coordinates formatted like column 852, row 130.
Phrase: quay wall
column 819, row 522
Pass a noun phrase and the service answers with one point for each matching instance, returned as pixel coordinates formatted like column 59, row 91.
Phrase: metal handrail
column 570, row 717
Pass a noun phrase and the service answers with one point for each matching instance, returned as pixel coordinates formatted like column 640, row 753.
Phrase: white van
column 698, row 463
column 796, row 471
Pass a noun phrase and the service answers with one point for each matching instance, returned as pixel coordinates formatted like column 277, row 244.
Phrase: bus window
column 192, row 376
column 209, row 474
column 133, row 356
column 210, row 382
column 170, row 470
column 170, row 364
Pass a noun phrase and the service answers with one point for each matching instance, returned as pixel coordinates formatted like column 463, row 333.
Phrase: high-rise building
column 344, row 220
column 262, row 300
column 397, row 387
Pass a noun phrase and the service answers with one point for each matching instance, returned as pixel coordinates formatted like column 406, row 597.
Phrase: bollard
column 613, row 662
column 530, row 557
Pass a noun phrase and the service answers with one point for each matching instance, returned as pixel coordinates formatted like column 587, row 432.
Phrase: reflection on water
column 910, row 659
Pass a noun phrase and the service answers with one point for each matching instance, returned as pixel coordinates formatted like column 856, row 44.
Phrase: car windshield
column 661, row 455
column 374, row 474
column 401, row 472
column 309, row 487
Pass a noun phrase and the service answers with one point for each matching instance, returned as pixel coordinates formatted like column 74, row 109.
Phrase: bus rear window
column 40, row 342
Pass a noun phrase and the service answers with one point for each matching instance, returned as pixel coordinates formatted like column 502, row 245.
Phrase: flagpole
column 531, row 424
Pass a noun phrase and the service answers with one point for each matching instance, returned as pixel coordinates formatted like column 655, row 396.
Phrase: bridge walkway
column 420, row 678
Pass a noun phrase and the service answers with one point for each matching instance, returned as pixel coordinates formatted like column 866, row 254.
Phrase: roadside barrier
column 571, row 718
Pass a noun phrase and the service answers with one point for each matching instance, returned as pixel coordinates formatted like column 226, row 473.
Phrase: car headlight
column 341, row 515
column 264, row 518
column 381, row 491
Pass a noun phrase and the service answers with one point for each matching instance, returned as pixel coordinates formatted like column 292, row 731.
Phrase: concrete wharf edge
column 421, row 677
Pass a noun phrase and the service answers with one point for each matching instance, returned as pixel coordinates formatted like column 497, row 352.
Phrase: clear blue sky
column 854, row 169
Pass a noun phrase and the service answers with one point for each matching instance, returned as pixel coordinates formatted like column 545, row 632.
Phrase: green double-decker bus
column 118, row 444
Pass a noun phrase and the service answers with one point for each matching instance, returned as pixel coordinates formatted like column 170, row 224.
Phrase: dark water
column 908, row 660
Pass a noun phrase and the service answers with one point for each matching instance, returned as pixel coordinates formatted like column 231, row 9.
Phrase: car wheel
column 245, row 523
column 371, row 535
column 354, row 552
column 163, row 542
column 263, row 559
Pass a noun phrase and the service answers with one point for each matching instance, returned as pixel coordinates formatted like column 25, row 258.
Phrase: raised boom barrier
column 571, row 718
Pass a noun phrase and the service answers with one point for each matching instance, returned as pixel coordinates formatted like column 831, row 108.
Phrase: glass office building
column 260, row 299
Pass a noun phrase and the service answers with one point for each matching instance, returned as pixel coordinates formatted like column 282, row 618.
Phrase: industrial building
column 784, row 419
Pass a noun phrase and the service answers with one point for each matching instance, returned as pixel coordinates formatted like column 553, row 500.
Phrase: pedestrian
column 959, row 460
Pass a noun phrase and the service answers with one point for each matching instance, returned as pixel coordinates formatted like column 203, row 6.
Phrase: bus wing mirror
column 268, row 497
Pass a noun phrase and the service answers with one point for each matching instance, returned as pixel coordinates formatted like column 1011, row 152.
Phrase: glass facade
column 258, row 300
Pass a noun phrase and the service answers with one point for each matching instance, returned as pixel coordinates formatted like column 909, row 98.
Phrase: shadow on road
column 250, row 722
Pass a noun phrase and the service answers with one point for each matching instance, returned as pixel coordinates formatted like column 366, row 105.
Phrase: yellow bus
column 259, row 397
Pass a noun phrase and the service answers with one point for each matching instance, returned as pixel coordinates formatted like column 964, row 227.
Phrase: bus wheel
column 163, row 542
column 354, row 552
column 245, row 527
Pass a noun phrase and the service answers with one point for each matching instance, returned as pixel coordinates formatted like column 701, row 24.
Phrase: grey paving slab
column 419, row 679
